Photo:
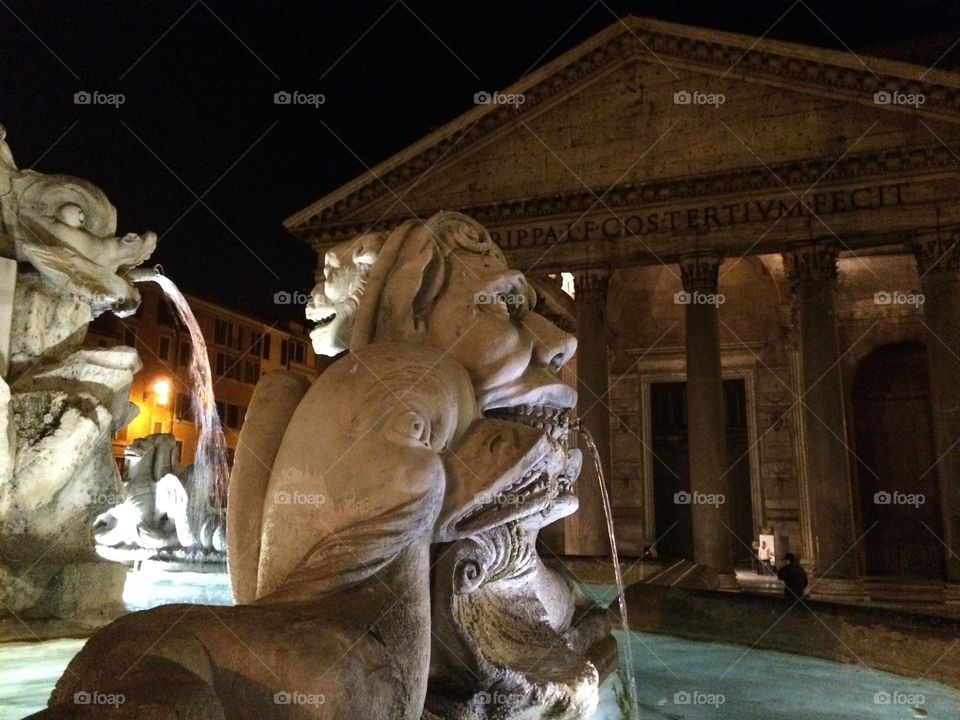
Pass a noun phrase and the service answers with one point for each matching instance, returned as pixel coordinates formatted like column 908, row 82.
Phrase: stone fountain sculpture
column 500, row 616
column 406, row 453
column 61, row 265
column 152, row 520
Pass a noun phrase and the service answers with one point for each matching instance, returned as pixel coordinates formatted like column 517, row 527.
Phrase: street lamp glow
column 161, row 391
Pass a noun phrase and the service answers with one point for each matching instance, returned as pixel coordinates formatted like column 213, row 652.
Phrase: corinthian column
column 709, row 481
column 587, row 534
column 812, row 270
column 938, row 261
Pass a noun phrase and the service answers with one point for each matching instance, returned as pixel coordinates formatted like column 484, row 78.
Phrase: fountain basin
column 755, row 685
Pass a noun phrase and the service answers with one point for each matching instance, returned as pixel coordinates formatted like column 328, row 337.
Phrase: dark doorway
column 671, row 467
column 894, row 464
column 738, row 455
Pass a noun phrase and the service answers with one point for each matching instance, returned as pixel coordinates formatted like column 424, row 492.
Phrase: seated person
column 794, row 578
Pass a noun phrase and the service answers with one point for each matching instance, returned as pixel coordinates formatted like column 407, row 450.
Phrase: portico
column 737, row 265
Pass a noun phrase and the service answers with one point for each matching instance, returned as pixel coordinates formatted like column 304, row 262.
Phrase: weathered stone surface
column 8, row 285
column 445, row 422
column 274, row 401
column 46, row 324
column 59, row 405
column 8, row 437
column 61, row 476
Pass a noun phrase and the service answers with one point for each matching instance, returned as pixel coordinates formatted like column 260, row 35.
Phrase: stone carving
column 153, row 514
column 632, row 197
column 342, row 628
column 445, row 423
column 640, row 38
column 60, row 404
column 936, row 254
column 497, row 608
column 65, row 228
column 334, row 301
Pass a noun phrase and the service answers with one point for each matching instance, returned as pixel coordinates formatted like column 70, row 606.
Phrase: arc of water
column 210, row 474
column 617, row 571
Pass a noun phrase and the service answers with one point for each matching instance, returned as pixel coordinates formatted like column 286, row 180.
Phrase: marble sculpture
column 382, row 522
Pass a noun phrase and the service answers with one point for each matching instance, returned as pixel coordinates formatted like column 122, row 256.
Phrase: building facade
column 763, row 239
column 241, row 349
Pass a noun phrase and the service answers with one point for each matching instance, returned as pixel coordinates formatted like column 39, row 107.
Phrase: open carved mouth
column 525, row 449
column 321, row 318
column 555, row 420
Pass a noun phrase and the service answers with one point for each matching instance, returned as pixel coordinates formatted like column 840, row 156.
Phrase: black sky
column 199, row 118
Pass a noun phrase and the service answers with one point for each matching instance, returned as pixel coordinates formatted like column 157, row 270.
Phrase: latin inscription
column 703, row 217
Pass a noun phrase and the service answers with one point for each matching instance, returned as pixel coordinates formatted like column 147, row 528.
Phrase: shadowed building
column 762, row 238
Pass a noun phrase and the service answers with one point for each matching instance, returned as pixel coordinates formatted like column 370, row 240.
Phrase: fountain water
column 210, row 474
column 628, row 674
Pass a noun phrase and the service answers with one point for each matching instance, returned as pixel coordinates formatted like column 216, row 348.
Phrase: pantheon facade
column 762, row 239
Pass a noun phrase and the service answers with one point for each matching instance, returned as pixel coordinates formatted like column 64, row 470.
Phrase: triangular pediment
column 661, row 108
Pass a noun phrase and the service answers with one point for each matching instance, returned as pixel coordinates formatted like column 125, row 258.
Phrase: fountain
column 209, row 474
column 169, row 513
column 61, row 265
column 156, row 519
column 383, row 521
column 173, row 514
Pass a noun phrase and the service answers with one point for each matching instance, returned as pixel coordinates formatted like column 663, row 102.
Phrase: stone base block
column 839, row 590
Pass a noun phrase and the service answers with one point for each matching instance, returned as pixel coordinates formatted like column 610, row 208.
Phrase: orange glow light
column 161, row 391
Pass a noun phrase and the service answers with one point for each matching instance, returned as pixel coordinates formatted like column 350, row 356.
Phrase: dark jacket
column 794, row 579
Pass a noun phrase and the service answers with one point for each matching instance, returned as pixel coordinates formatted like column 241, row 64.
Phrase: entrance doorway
column 671, row 468
column 896, row 480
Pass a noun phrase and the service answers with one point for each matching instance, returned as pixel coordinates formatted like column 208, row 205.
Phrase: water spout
column 617, row 572
column 210, row 473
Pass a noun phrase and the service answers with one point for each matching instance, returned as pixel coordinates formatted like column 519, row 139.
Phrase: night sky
column 199, row 152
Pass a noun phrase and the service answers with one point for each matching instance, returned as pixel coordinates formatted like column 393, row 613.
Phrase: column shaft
column 813, row 272
column 938, row 262
column 709, row 480
column 587, row 535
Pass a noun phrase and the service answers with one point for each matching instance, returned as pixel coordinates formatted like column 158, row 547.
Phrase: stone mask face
column 334, row 301
column 484, row 319
column 444, row 283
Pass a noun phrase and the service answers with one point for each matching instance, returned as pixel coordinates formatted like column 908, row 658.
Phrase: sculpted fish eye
column 410, row 428
column 71, row 214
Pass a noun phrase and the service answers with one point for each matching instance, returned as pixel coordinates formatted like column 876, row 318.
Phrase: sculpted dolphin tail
column 274, row 401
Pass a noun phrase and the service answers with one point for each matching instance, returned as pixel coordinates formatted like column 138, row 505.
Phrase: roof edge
column 629, row 24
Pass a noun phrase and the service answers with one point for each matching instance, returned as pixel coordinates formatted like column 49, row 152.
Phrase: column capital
column 813, row 261
column 936, row 254
column 591, row 284
column 700, row 271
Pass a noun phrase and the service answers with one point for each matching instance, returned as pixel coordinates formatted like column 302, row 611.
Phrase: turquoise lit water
column 675, row 678
column 687, row 679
